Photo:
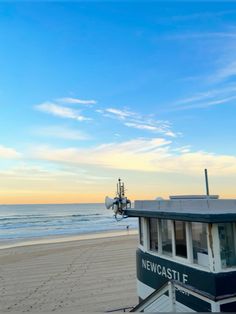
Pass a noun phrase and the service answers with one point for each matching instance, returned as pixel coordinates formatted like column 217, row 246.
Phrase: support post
column 172, row 296
column 215, row 307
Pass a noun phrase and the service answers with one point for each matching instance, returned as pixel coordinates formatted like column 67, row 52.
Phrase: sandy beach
column 87, row 274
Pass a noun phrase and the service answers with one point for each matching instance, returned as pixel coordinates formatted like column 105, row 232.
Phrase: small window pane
column 141, row 231
column 227, row 245
column 180, row 239
column 166, row 234
column 153, row 230
column 199, row 237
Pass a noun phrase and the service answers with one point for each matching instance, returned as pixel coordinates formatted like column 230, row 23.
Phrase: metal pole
column 172, row 296
column 119, row 188
column 207, row 186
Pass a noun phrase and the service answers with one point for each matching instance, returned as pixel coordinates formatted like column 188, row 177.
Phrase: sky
column 93, row 91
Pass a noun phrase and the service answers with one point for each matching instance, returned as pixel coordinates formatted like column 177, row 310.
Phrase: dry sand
column 91, row 275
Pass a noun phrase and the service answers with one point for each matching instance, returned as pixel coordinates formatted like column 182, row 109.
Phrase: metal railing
column 122, row 309
column 170, row 288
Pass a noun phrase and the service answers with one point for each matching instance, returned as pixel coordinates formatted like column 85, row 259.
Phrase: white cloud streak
column 202, row 35
column 207, row 99
column 61, row 111
column 137, row 121
column 225, row 72
column 121, row 114
column 70, row 100
column 155, row 155
column 221, row 45
column 28, row 172
column 209, row 103
column 202, row 15
column 128, row 118
column 150, row 127
column 143, row 126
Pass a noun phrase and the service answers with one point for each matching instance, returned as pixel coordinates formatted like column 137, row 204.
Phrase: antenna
column 206, row 180
column 119, row 203
column 119, row 188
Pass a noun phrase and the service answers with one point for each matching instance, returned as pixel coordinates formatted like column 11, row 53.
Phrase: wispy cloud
column 224, row 73
column 220, row 45
column 128, row 118
column 182, row 149
column 24, row 171
column 172, row 134
column 200, row 96
column 155, row 155
column 207, row 99
column 139, row 121
column 142, row 126
column 8, row 152
column 69, row 100
column 138, row 145
column 61, row 111
column 162, row 128
column 121, row 114
column 202, row 35
column 209, row 103
column 125, row 155
column 202, row 15
column 62, row 132
column 39, row 174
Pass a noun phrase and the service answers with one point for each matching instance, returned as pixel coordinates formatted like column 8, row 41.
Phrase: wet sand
column 85, row 275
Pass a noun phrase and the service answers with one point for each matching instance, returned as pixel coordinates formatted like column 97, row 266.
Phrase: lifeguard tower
column 186, row 257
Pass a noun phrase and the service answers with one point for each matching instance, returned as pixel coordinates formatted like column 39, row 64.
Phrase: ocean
column 25, row 222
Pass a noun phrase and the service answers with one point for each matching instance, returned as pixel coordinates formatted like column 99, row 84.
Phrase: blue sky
column 90, row 91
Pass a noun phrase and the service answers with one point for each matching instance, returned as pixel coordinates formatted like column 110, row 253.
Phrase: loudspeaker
column 109, row 202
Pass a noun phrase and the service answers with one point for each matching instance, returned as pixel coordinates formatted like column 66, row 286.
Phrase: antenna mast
column 120, row 189
column 120, row 203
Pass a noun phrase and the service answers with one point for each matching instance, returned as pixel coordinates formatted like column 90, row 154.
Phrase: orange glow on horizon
column 75, row 198
column 53, row 198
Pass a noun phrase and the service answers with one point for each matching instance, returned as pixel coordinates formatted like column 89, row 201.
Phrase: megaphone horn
column 109, row 202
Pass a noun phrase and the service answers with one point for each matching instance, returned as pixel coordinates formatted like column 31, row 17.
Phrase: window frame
column 172, row 239
column 149, row 235
column 208, row 245
column 185, row 238
column 227, row 268
column 189, row 244
column 141, row 231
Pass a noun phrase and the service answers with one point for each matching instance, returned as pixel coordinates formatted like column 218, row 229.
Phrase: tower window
column 166, row 235
column 180, row 239
column 227, row 244
column 199, row 238
column 153, row 230
column 141, row 231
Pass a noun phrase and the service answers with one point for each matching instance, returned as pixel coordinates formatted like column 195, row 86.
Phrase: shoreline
column 66, row 238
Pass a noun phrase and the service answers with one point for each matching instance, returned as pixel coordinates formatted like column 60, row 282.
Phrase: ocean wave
column 79, row 215
column 25, row 222
column 22, row 217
